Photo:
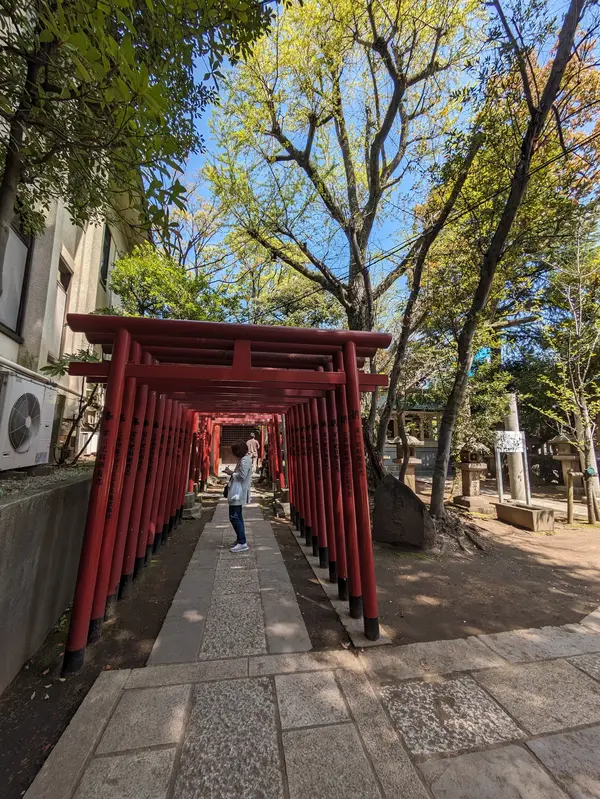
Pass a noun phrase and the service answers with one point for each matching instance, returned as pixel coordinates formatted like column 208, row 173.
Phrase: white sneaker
column 240, row 548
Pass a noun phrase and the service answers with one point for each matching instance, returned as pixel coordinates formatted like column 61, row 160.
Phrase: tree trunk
column 405, row 448
column 589, row 454
column 494, row 252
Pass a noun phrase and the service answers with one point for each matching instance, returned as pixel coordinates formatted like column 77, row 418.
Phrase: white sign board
column 509, row 441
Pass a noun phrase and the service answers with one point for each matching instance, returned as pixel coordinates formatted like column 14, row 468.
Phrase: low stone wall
column 41, row 532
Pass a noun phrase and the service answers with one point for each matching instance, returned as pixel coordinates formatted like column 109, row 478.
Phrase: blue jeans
column 237, row 522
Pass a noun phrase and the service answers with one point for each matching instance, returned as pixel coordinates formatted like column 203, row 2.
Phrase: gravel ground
column 10, row 485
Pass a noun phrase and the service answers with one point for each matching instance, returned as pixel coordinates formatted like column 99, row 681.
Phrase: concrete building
column 65, row 269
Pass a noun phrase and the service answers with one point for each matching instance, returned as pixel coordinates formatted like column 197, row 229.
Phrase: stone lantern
column 473, row 469
column 410, row 479
column 568, row 455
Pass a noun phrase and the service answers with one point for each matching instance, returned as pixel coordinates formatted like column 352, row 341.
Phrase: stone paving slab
column 506, row 773
column 588, row 663
column 328, row 763
column 391, row 762
column 181, row 673
column 422, row 660
column 230, row 749
column 62, row 771
column 313, row 661
column 447, row 716
column 306, row 700
column 235, row 627
column 544, row 697
column 545, row 643
column 574, row 759
column 592, row 620
column 140, row 775
column 146, row 717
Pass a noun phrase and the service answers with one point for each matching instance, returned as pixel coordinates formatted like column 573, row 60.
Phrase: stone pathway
column 232, row 706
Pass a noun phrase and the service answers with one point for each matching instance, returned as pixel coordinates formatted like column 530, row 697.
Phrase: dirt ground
column 523, row 579
column 38, row 705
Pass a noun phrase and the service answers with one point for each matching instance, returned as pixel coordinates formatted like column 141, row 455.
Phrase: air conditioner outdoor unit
column 26, row 419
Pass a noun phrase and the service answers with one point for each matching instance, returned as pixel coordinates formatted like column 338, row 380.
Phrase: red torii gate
column 167, row 381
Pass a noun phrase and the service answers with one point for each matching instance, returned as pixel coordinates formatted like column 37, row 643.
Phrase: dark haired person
column 239, row 493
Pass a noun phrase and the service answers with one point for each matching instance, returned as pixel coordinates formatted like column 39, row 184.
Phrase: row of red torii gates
column 167, row 383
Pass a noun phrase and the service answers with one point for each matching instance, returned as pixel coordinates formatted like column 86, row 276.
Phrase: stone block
column 179, row 638
column 236, row 581
column 530, row 517
column 314, row 661
column 572, row 758
column 507, row 773
column 448, row 716
column 235, row 627
column 189, row 500
column 306, row 700
column 479, row 503
column 437, row 657
column 544, row 697
column 400, row 517
column 146, row 717
column 543, row 643
column 592, row 620
column 284, row 626
column 63, row 769
column 328, row 763
column 588, row 663
column 390, row 760
column 141, row 775
column 182, row 673
column 230, row 748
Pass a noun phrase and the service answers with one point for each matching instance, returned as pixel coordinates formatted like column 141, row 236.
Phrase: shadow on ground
column 38, row 705
column 522, row 580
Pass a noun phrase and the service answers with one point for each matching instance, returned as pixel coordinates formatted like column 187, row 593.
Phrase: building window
column 107, row 251
column 14, row 280
column 60, row 309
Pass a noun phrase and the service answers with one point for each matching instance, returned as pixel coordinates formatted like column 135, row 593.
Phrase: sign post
column 511, row 441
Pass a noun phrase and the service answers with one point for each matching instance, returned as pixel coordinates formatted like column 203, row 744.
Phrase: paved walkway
column 228, row 711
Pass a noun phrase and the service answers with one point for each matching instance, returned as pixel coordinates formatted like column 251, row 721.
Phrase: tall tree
column 98, row 101
column 328, row 126
column 540, row 99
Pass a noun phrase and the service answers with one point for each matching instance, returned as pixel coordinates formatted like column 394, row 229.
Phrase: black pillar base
column 138, row 567
column 332, row 571
column 149, row 550
column 292, row 514
column 73, row 662
column 157, row 542
column 201, row 486
column 110, row 611
column 126, row 586
column 342, row 588
column 166, row 531
column 95, row 631
column 169, row 524
column 372, row 628
column 323, row 557
column 315, row 545
column 308, row 535
column 356, row 610
column 300, row 526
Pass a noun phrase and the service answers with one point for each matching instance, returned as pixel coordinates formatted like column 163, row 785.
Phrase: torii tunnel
column 167, row 383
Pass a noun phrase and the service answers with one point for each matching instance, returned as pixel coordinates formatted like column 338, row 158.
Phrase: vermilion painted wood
column 361, row 496
column 167, row 486
column 176, row 458
column 327, row 487
column 138, row 494
column 280, row 472
column 114, row 501
column 310, row 457
column 92, row 539
column 336, row 489
column 126, row 507
column 354, row 585
column 84, row 323
column 152, row 526
column 319, row 490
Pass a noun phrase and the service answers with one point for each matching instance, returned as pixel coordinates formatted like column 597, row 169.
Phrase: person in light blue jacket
column 239, row 493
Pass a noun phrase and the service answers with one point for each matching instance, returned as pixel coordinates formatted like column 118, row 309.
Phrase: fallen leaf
column 346, row 645
column 33, row 695
column 48, row 686
column 107, row 668
column 47, row 696
column 45, row 672
column 62, row 679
